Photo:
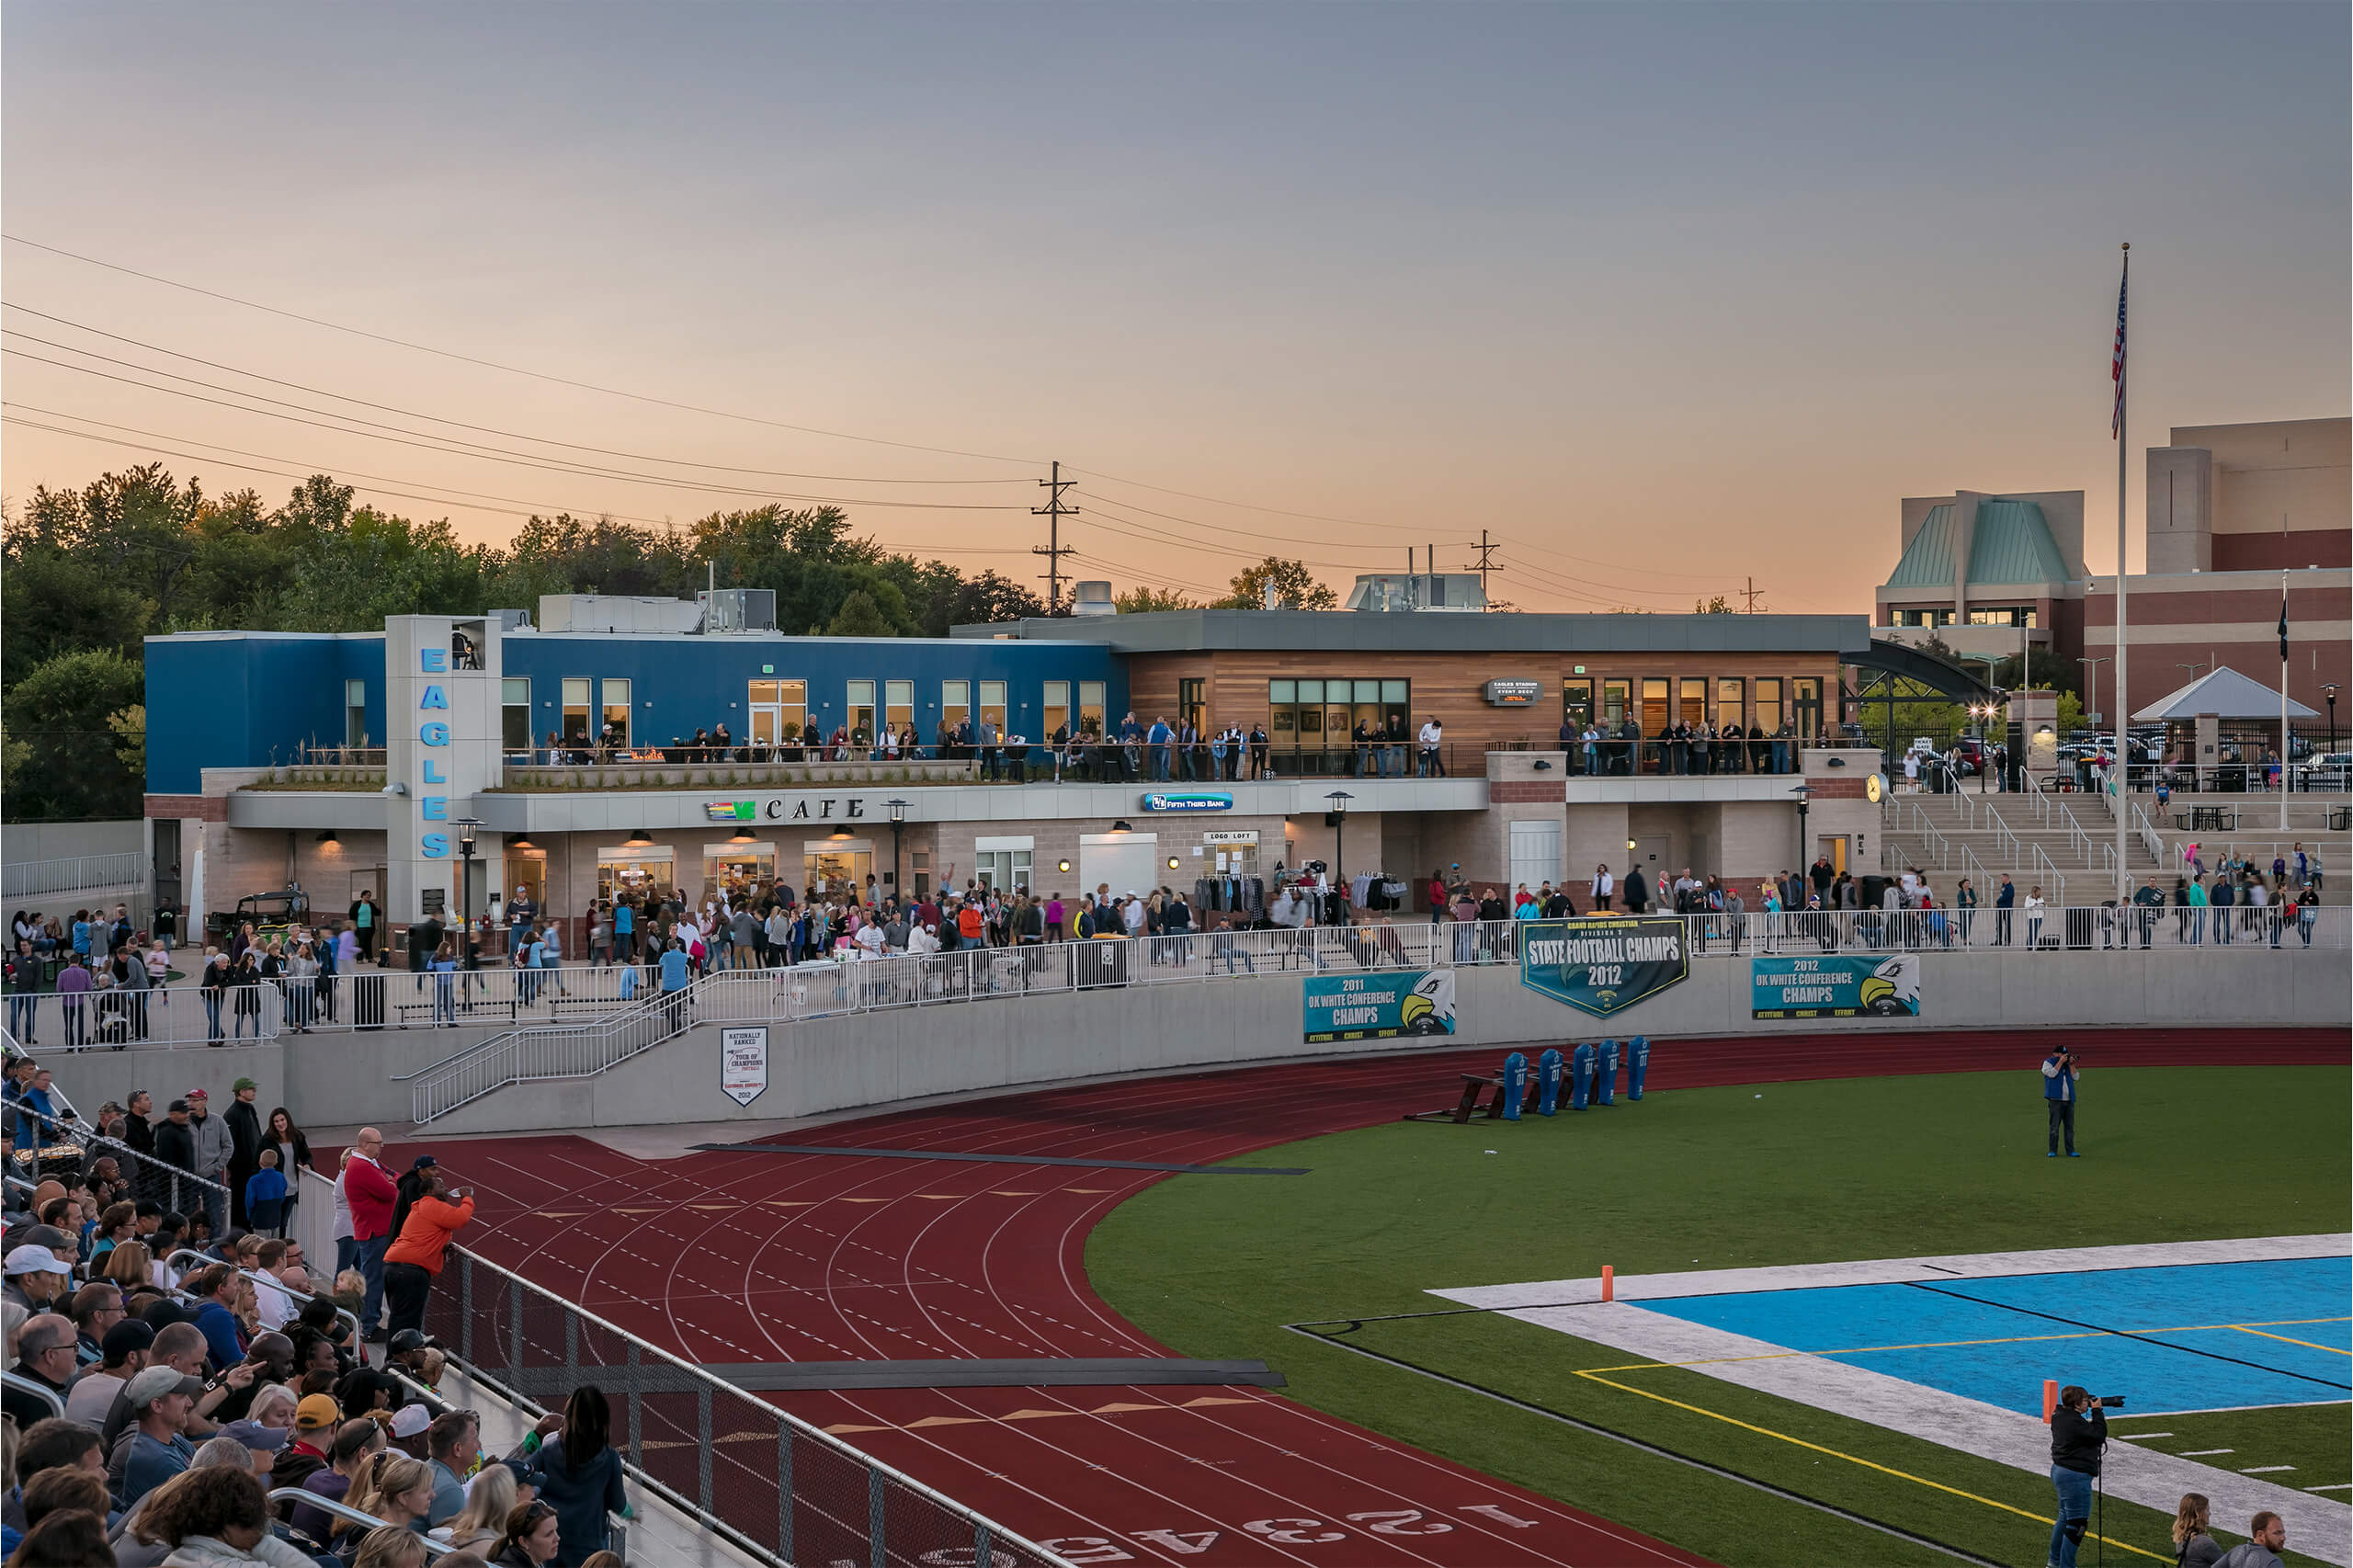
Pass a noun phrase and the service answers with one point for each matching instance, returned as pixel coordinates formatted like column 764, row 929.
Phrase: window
column 1691, row 700
column 355, row 711
column 1732, row 701
column 617, row 710
column 1090, row 707
column 1617, row 695
column 898, row 704
column 1769, row 703
column 515, row 714
column 1189, row 703
column 779, row 711
column 1654, row 704
column 860, row 714
column 1001, row 863
column 576, row 710
column 955, row 701
column 992, row 704
column 1309, row 714
column 1055, row 711
column 2014, row 615
column 1807, row 699
column 1576, row 703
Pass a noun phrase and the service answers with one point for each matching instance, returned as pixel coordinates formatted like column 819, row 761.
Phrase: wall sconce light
column 326, row 837
column 1630, row 843
column 1122, row 825
column 1062, row 866
column 639, row 837
column 1543, row 766
column 1172, row 862
column 1838, row 762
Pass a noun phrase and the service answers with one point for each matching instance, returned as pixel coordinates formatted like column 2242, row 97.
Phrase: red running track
column 852, row 1259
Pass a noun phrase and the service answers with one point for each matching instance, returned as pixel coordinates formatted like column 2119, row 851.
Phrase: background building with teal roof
column 1979, row 570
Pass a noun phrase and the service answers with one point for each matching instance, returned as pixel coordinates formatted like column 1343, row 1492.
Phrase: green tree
column 1294, row 587
column 860, row 617
column 1141, row 600
column 73, row 767
column 1719, row 605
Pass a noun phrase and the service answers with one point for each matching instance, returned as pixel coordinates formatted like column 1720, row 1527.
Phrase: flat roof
column 1202, row 630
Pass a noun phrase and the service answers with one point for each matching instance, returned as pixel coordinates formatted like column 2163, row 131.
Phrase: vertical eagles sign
column 1603, row 964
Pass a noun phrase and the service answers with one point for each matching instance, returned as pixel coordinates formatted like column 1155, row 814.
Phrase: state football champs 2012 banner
column 1835, row 985
column 1378, row 1004
column 1603, row 963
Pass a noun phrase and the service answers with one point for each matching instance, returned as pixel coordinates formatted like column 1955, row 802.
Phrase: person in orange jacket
column 414, row 1259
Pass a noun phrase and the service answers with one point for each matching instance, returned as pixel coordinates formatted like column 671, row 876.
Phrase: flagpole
column 2283, row 703
column 2123, row 801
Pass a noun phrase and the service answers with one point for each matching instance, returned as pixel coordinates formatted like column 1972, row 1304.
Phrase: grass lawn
column 1711, row 1178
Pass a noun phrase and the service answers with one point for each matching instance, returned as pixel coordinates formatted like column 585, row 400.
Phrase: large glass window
column 1316, row 714
column 576, row 710
column 992, row 703
column 515, row 713
column 355, row 712
column 898, row 704
column 859, row 701
column 1732, row 702
column 1654, row 704
column 1576, row 703
column 2014, row 615
column 1090, row 707
column 1395, row 703
column 1806, row 698
column 1055, row 711
column 617, row 710
column 1769, row 703
column 1691, row 700
column 1188, row 702
column 779, row 711
column 1003, row 863
column 1617, row 695
column 955, row 701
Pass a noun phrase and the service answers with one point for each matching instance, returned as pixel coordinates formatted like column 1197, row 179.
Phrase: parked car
column 269, row 913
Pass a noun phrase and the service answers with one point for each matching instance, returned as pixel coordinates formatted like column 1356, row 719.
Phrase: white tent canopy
column 2224, row 693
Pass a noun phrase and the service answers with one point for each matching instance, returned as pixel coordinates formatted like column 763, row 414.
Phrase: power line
column 434, row 418
column 452, row 447
column 303, row 471
column 511, row 370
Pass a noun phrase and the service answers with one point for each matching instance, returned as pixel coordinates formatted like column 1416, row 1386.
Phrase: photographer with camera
column 2078, row 1433
column 2060, row 1070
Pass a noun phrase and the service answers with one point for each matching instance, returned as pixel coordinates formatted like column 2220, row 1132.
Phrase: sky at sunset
column 1665, row 297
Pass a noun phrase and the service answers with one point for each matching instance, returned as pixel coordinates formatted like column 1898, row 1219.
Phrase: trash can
column 368, row 1000
column 1101, row 962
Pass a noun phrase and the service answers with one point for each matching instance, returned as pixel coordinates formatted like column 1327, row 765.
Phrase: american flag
column 2115, row 371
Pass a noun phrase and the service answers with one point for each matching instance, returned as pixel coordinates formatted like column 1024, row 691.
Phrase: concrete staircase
column 2065, row 843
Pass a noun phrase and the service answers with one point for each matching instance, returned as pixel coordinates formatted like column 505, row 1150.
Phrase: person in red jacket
column 415, row 1259
column 369, row 1190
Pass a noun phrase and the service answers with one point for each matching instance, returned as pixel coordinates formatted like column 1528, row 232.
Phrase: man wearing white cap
column 161, row 1399
column 36, row 1281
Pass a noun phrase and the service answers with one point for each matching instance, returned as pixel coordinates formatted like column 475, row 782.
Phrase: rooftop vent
column 1091, row 598
column 1418, row 591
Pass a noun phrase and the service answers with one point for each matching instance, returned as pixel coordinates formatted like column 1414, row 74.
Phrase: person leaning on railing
column 414, row 1261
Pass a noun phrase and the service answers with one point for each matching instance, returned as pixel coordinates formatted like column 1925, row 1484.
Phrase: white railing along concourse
column 72, row 873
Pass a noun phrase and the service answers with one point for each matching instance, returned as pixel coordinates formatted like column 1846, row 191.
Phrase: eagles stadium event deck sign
column 1835, row 985
column 1382, row 1005
column 1603, row 964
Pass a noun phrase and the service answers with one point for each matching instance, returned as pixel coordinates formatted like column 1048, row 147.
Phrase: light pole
column 1339, row 800
column 1805, row 792
column 898, row 821
column 2330, row 691
column 468, row 828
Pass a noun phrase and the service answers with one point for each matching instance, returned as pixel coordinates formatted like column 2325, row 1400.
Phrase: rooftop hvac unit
column 730, row 610
column 1418, row 591
column 1091, row 598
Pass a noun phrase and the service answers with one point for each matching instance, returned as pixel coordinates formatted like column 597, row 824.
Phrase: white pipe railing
column 73, row 873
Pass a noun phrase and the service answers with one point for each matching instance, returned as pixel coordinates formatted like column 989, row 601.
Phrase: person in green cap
column 245, row 1147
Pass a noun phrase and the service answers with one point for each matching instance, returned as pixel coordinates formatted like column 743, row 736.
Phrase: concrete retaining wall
column 883, row 1058
column 345, row 1079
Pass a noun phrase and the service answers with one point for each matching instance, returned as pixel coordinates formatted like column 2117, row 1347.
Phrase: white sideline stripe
column 1904, row 1270
column 2203, row 1453
column 2140, row 1437
column 2333, row 1486
column 2014, row 1437
column 2266, row 1469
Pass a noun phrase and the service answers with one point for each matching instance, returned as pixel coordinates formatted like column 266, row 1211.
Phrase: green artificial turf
column 1708, row 1178
column 2315, row 1439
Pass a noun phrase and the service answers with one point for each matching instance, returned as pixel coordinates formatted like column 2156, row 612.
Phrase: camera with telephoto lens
column 2108, row 1401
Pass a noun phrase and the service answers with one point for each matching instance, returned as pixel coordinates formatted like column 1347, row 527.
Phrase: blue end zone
column 2184, row 1353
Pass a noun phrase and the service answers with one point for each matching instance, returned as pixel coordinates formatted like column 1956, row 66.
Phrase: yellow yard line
column 1855, row 1460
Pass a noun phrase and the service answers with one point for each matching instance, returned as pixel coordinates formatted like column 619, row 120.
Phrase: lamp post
column 1339, row 800
column 1805, row 792
column 468, row 828
column 2329, row 690
column 898, row 821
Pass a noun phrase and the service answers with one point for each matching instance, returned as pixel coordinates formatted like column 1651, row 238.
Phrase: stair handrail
column 2058, row 898
column 495, row 1062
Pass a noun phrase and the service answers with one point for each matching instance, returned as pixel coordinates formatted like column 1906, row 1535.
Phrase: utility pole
column 1054, row 511
column 1752, row 594
column 1484, row 567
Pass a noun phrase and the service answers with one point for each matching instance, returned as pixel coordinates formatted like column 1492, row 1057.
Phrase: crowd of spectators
column 196, row 1379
